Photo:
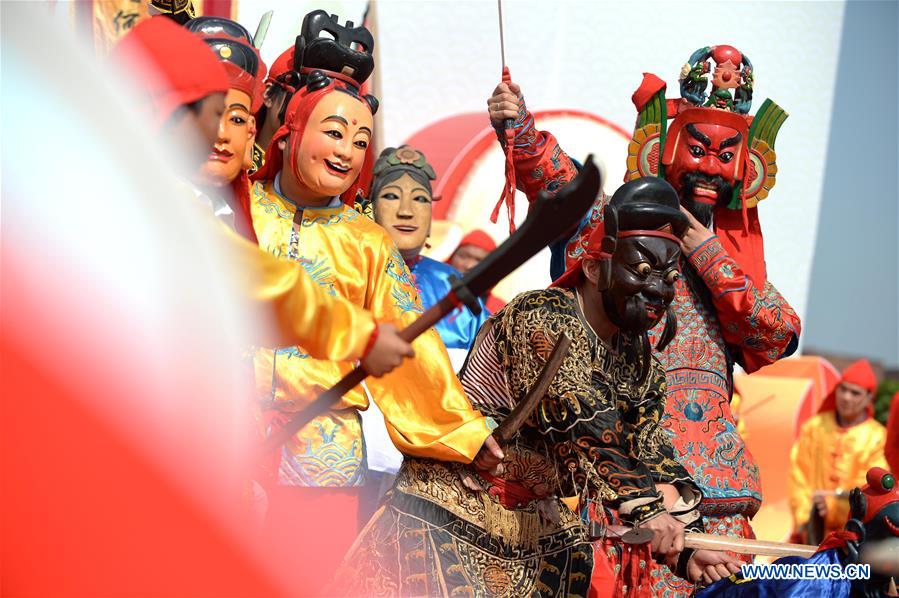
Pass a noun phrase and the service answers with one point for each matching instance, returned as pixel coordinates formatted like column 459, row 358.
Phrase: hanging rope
column 508, row 194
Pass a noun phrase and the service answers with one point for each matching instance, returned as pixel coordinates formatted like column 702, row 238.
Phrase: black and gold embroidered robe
column 595, row 435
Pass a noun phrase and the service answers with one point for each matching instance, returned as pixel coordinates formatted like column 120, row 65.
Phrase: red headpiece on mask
column 737, row 224
column 299, row 109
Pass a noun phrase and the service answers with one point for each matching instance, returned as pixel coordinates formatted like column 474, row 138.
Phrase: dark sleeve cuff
column 695, row 526
column 638, row 510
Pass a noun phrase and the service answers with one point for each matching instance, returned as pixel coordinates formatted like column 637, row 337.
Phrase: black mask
column 325, row 44
column 641, row 286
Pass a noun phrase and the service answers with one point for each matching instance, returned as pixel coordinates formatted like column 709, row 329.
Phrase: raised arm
column 540, row 164
column 758, row 322
column 539, row 161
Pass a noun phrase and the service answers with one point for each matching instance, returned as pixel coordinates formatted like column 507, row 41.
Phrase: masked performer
column 184, row 87
column 402, row 196
column 449, row 530
column 834, row 451
column 224, row 176
column 341, row 51
column 727, row 310
column 401, row 193
column 298, row 213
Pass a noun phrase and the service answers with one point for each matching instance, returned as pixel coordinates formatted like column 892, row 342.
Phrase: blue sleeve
column 557, row 248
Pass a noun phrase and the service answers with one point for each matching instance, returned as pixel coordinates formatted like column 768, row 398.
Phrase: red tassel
column 508, row 194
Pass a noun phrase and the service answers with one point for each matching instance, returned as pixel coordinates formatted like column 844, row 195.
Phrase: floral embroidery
column 403, row 293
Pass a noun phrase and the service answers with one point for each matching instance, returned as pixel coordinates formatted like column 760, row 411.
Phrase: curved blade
column 509, row 427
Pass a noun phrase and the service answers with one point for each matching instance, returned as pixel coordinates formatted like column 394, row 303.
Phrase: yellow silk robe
column 283, row 293
column 328, row 327
column 424, row 407
column 828, row 457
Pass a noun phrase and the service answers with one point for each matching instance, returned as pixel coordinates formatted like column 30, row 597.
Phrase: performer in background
column 835, row 450
column 473, row 247
column 298, row 212
column 449, row 529
column 471, row 250
column 224, row 177
column 727, row 310
column 402, row 198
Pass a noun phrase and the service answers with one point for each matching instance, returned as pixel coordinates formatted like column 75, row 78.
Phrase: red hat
column 478, row 238
column 175, row 66
column 281, row 65
column 859, row 373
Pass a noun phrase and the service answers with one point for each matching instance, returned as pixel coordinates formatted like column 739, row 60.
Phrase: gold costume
column 828, row 457
column 328, row 327
column 425, row 409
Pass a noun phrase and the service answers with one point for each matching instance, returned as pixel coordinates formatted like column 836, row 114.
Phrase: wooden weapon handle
column 746, row 546
column 509, row 427
column 325, row 401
